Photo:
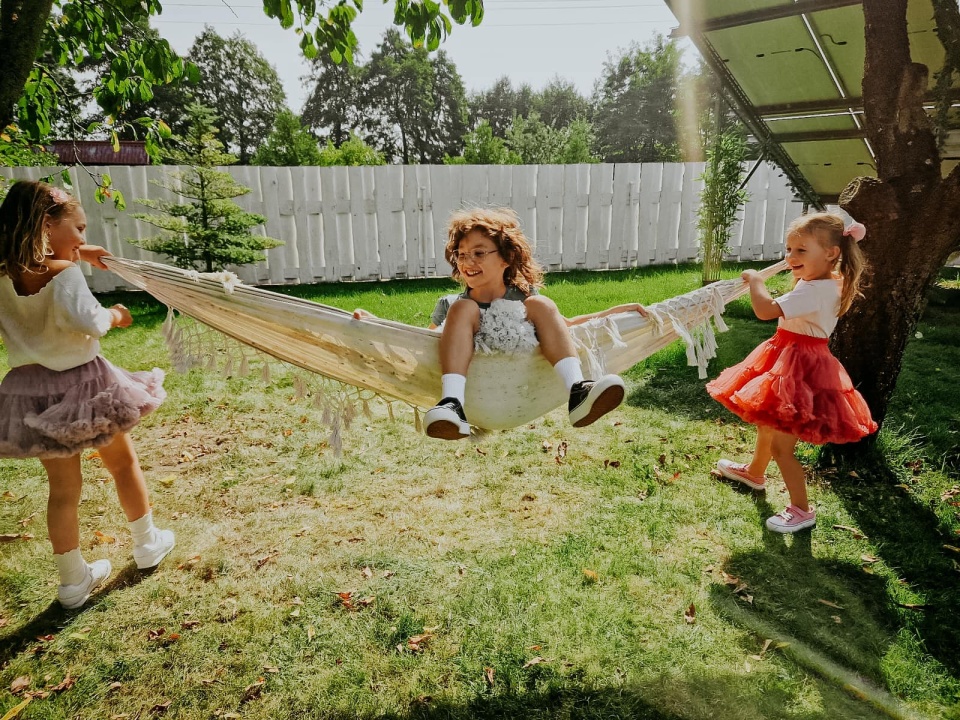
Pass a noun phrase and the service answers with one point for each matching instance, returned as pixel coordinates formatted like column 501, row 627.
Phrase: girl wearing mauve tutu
column 60, row 395
column 791, row 386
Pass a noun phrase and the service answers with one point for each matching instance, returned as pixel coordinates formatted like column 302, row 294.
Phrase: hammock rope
column 401, row 362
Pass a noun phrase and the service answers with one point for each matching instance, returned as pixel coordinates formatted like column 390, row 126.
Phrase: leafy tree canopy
column 39, row 36
column 289, row 144
column 353, row 151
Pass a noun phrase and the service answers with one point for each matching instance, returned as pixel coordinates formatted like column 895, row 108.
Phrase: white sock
column 142, row 529
column 72, row 567
column 569, row 370
column 454, row 386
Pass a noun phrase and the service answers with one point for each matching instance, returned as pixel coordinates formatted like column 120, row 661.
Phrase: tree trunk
column 909, row 210
column 22, row 23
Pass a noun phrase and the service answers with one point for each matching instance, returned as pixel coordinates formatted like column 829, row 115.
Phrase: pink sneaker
column 792, row 519
column 738, row 472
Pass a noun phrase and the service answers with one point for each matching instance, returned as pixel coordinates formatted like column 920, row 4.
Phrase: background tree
column 909, row 209
column 500, row 104
column 353, row 151
column 560, row 104
column 39, row 35
column 289, row 144
column 242, row 88
column 635, row 101
column 721, row 198
column 210, row 231
column 482, row 147
column 332, row 108
column 414, row 105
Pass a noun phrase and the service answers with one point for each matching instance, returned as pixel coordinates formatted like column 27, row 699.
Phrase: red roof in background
column 100, row 152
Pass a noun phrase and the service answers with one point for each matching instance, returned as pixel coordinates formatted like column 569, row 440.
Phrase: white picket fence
column 371, row 223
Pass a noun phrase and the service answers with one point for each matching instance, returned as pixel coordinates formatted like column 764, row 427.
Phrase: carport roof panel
column 797, row 68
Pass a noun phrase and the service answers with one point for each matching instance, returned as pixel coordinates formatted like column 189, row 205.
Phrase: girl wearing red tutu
column 60, row 396
column 791, row 386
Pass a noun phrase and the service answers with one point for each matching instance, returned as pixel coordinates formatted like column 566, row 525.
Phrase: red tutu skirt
column 794, row 384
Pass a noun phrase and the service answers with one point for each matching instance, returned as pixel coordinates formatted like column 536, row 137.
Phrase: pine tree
column 209, row 231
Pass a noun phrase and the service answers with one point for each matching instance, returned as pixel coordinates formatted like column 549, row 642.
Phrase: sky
column 529, row 41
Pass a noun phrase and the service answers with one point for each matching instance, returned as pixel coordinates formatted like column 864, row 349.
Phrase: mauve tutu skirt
column 50, row 414
column 794, row 384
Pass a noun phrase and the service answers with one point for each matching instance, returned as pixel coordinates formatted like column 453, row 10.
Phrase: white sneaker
column 74, row 596
column 150, row 554
column 446, row 420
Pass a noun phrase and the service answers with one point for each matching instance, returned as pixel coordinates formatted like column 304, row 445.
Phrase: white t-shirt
column 811, row 307
column 59, row 327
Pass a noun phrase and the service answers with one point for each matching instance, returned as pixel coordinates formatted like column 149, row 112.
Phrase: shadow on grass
column 54, row 618
column 910, row 538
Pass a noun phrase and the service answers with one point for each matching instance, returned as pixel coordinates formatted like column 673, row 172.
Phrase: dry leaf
column 869, row 558
column 100, row 538
column 161, row 708
column 561, row 452
column 367, row 572
column 690, row 615
column 534, row 661
column 310, row 633
column 16, row 710
column 388, row 573
column 915, row 606
column 590, row 575
column 252, row 691
column 836, row 619
column 296, row 600
column 488, row 675
column 829, row 604
column 857, row 535
column 67, row 683
column 20, row 684
column 546, row 446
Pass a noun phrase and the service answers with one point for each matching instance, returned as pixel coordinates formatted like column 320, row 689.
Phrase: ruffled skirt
column 794, row 384
column 49, row 414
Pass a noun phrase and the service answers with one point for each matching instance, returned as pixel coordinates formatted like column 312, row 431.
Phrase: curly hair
column 503, row 227
column 25, row 209
column 829, row 228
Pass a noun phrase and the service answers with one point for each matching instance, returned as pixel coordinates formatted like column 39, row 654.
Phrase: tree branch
column 22, row 23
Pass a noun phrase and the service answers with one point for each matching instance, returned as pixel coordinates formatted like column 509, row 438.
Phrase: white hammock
column 402, row 362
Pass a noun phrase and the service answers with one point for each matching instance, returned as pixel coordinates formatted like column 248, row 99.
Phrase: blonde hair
column 27, row 206
column 829, row 230
column 503, row 227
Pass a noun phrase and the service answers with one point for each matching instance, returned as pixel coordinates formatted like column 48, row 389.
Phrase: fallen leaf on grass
column 389, row 573
column 488, row 675
column 952, row 548
column 67, row 683
column 82, row 635
column 100, row 538
column 869, row 558
column 546, row 446
column 534, row 661
column 690, row 616
column 915, row 606
column 611, row 463
column 310, row 632
column 114, row 686
column 829, row 604
column 168, row 480
column 836, row 619
column 857, row 535
column 266, row 558
column 9, row 537
column 367, row 572
column 590, row 575
column 161, row 708
column 190, row 625
column 20, row 684
column 252, row 691
column 16, row 710
column 561, row 452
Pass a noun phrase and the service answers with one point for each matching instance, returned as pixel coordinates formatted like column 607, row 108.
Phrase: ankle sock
column 142, row 529
column 570, row 371
column 453, row 385
column 72, row 567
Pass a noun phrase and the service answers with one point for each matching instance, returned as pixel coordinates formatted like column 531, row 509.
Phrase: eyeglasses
column 476, row 256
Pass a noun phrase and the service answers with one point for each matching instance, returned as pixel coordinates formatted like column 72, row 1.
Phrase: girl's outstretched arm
column 764, row 306
column 92, row 255
column 627, row 308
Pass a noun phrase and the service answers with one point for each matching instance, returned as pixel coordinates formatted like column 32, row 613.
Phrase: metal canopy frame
column 792, row 70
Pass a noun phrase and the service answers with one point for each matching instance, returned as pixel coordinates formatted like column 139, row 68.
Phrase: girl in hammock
column 791, row 387
column 60, row 396
column 501, row 309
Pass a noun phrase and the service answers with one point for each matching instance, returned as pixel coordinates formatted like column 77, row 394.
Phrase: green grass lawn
column 544, row 572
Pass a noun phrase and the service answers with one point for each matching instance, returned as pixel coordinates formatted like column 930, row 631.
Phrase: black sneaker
column 446, row 420
column 590, row 400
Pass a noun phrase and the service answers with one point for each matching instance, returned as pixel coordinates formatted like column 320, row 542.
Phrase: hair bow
column 856, row 231
column 59, row 196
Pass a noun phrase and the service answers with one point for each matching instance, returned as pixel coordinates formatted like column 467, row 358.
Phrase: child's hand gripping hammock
column 401, row 362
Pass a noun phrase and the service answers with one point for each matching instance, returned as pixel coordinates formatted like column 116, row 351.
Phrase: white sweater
column 59, row 327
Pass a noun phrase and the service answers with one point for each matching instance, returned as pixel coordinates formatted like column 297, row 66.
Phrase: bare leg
column 456, row 341
column 783, row 447
column 556, row 343
column 63, row 523
column 762, row 453
column 120, row 459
